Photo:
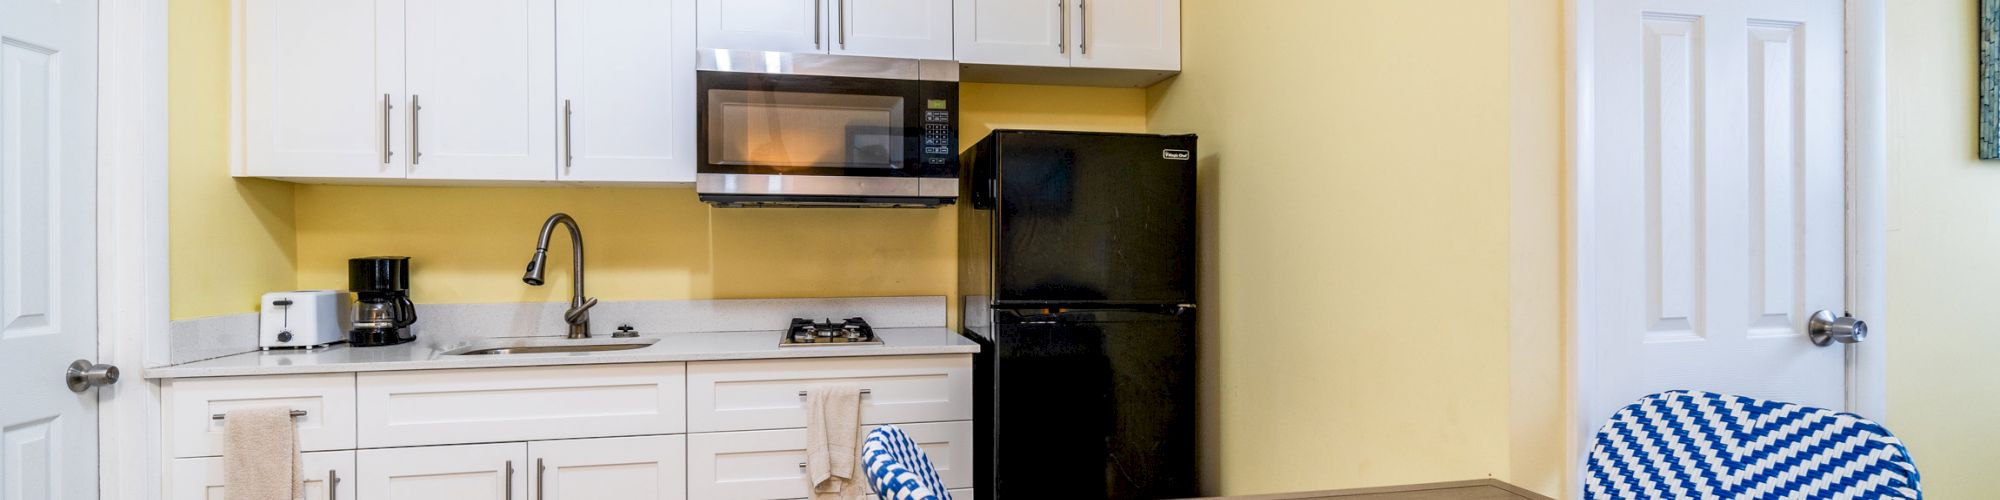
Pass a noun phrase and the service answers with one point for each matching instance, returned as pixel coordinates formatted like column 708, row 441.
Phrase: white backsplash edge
column 447, row 324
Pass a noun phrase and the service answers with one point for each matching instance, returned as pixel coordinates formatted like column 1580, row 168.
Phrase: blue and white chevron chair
column 897, row 469
column 1689, row 444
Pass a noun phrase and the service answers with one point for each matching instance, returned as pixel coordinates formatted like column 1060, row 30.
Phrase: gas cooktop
column 848, row 332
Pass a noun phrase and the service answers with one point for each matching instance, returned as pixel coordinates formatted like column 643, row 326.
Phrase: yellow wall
column 1361, row 175
column 231, row 240
column 1538, row 437
column 1944, row 236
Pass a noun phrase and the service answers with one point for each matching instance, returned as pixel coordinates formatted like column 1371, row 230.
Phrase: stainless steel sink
column 549, row 346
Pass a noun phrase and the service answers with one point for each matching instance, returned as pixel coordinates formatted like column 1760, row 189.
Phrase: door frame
column 132, row 292
column 1867, row 215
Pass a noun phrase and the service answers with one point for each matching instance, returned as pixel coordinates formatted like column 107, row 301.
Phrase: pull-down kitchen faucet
column 578, row 315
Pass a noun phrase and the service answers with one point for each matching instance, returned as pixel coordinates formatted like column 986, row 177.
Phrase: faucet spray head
column 536, row 266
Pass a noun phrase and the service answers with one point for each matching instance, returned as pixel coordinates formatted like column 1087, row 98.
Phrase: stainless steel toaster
column 304, row 319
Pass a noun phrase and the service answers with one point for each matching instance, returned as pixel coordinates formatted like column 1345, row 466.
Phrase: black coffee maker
column 383, row 312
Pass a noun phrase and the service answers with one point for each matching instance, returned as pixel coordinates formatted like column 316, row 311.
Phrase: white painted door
column 48, row 308
column 773, row 25
column 329, row 475
column 1126, row 34
column 482, row 84
column 1713, row 217
column 632, row 468
column 625, row 77
column 323, row 90
column 1011, row 32
column 470, row 472
column 910, row 29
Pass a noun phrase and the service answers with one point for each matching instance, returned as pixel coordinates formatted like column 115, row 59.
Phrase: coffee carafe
column 383, row 312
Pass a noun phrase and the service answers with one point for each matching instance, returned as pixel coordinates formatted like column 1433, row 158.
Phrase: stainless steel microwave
column 783, row 129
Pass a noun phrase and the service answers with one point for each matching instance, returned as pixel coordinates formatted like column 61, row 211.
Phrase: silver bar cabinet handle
column 416, row 131
column 332, row 484
column 388, row 106
column 819, row 20
column 1082, row 27
column 510, row 480
column 1062, row 28
column 540, row 473
column 863, row 391
column 842, row 12
column 294, row 414
column 569, row 155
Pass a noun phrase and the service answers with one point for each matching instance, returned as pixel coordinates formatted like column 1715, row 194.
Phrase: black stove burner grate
column 851, row 331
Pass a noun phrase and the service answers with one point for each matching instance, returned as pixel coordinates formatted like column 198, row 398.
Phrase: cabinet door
column 1014, row 32
column 625, row 77
column 912, row 29
column 1127, row 34
column 482, row 89
column 632, row 468
column 329, row 475
column 323, row 88
column 470, row 472
column 770, row 465
column 773, row 25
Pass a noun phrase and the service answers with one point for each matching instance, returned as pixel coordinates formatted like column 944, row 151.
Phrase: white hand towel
column 833, row 430
column 260, row 454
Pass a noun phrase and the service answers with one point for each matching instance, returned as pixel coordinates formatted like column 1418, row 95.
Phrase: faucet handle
column 578, row 313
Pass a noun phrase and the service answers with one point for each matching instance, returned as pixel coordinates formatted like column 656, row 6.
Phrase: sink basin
column 550, row 346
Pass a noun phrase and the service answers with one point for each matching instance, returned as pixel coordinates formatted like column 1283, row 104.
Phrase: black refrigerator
column 1077, row 272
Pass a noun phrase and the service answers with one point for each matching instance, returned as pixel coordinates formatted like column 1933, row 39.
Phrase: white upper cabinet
column 468, row 90
column 323, row 88
column 773, row 25
column 1107, row 34
column 482, row 83
column 910, row 29
column 625, row 87
column 1013, row 32
column 1126, row 34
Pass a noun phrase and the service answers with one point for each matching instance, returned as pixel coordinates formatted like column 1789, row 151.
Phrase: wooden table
column 1481, row 489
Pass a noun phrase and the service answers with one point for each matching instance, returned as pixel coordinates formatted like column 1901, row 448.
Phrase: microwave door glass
column 782, row 130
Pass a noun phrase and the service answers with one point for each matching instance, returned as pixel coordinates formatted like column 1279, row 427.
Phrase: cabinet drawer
column 767, row 394
column 201, row 478
column 520, row 404
column 766, row 464
column 328, row 401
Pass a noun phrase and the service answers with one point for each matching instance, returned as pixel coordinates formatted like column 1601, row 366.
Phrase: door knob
column 1824, row 329
column 83, row 375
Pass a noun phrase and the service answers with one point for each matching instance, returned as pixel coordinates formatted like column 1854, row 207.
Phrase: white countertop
column 421, row 355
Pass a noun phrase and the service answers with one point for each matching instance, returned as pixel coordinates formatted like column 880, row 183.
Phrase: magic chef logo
column 1174, row 154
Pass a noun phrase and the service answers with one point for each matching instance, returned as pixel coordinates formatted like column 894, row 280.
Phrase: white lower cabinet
column 584, row 432
column 629, row 468
column 329, row 475
column 770, row 464
column 465, row 472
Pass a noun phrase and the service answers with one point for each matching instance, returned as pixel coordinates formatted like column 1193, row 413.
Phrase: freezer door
column 1095, row 219
column 1086, row 407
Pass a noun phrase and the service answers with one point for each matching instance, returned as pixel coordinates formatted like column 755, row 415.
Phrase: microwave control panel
column 940, row 122
column 937, row 136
